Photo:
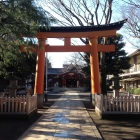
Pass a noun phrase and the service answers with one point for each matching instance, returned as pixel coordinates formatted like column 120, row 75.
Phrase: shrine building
column 70, row 76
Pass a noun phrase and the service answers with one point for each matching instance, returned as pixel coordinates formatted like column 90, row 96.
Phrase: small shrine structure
column 70, row 76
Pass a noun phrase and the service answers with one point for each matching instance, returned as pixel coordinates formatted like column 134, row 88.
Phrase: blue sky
column 57, row 59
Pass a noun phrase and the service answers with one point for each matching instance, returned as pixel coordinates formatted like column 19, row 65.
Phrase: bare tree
column 131, row 10
column 76, row 59
column 49, row 62
column 135, row 3
column 82, row 13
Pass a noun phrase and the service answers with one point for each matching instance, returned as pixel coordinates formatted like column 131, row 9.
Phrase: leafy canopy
column 18, row 18
column 117, row 61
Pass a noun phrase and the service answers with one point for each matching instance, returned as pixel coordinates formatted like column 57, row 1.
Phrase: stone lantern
column 13, row 86
column 116, row 86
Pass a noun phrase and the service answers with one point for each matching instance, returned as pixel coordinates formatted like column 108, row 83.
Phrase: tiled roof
column 116, row 25
column 134, row 53
column 70, row 68
column 55, row 70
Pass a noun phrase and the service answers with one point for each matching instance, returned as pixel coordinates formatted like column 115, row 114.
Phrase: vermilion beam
column 67, row 48
column 83, row 48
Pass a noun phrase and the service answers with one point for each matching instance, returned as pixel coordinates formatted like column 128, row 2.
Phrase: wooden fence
column 18, row 105
column 117, row 105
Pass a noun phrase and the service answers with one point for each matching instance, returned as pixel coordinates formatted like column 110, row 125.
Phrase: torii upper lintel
column 80, row 31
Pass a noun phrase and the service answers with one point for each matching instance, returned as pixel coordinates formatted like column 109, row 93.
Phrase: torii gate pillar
column 40, row 70
column 94, row 67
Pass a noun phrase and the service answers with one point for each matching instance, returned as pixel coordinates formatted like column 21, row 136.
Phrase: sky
column 58, row 59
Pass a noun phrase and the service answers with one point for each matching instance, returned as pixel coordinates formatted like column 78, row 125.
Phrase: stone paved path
column 66, row 119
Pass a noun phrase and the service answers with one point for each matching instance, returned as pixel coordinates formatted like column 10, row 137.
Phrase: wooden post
column 40, row 70
column 64, row 82
column 94, row 67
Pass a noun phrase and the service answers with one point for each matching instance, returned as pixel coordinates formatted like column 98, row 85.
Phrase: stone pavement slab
column 66, row 119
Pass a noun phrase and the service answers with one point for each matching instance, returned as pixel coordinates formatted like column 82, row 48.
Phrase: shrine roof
column 136, row 52
column 65, row 70
column 55, row 70
column 111, row 26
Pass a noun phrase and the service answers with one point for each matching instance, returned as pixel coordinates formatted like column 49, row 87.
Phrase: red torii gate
column 90, row 32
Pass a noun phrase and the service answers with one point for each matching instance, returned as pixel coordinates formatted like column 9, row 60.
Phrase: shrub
column 137, row 91
column 131, row 90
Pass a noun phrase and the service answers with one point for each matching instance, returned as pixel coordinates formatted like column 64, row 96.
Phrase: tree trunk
column 103, row 74
column 103, row 82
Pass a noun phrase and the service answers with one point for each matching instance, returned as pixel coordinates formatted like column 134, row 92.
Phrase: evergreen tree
column 21, row 68
column 117, row 61
column 19, row 18
column 114, row 62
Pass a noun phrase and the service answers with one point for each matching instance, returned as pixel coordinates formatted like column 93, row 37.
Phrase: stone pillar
column 116, row 86
column 13, row 86
column 40, row 70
